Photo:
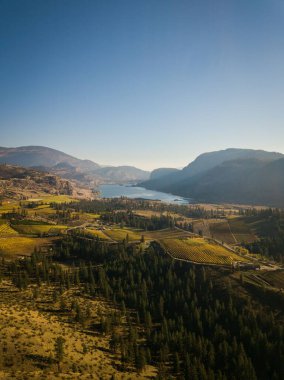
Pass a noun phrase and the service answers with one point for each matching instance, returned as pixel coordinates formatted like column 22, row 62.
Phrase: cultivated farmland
column 220, row 230
column 7, row 230
column 241, row 230
column 19, row 245
column 38, row 229
column 199, row 250
column 96, row 233
column 119, row 234
column 274, row 278
column 166, row 234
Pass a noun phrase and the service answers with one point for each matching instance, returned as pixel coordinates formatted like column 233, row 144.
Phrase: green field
column 199, row 250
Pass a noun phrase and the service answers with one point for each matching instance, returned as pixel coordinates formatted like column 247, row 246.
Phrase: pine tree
column 59, row 350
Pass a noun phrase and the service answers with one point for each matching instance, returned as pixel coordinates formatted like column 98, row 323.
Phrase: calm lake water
column 116, row 191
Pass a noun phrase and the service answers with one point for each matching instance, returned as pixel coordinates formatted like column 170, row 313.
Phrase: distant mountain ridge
column 69, row 167
column 231, row 175
column 209, row 160
column 158, row 173
column 29, row 156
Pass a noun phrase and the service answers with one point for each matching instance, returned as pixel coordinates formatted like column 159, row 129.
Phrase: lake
column 117, row 191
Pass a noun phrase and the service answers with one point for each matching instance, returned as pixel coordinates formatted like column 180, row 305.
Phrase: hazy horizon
column 149, row 84
column 130, row 164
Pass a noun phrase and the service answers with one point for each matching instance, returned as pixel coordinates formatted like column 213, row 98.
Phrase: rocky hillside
column 21, row 183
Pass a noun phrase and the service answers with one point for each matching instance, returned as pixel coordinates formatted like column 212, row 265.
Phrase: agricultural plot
column 38, row 229
column 199, row 250
column 201, row 227
column 274, row 278
column 241, row 230
column 6, row 230
column 166, row 234
column 96, row 233
column 221, row 231
column 19, row 245
column 42, row 210
column 119, row 234
column 8, row 207
column 150, row 213
column 89, row 215
column 147, row 213
column 54, row 199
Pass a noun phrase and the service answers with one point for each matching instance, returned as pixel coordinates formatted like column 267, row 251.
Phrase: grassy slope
column 28, row 331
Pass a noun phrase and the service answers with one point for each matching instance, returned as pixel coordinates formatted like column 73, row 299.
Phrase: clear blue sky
column 143, row 82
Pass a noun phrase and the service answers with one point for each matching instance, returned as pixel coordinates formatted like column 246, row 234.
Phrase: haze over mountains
column 231, row 175
column 69, row 167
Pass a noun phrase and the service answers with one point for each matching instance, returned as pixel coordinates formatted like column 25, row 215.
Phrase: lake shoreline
column 136, row 192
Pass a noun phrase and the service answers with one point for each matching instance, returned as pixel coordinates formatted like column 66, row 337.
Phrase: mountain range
column 69, row 167
column 231, row 175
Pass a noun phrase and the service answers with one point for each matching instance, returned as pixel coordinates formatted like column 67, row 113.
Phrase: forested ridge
column 269, row 225
column 192, row 323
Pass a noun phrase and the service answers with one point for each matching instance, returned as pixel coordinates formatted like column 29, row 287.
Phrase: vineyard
column 119, row 234
column 95, row 233
column 200, row 251
column 54, row 199
column 275, row 278
column 20, row 245
column 221, row 231
column 241, row 230
column 166, row 234
column 38, row 229
column 6, row 230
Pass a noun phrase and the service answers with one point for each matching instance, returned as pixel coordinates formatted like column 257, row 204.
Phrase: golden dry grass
column 29, row 327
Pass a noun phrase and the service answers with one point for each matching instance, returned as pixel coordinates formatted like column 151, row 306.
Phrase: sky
column 149, row 83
